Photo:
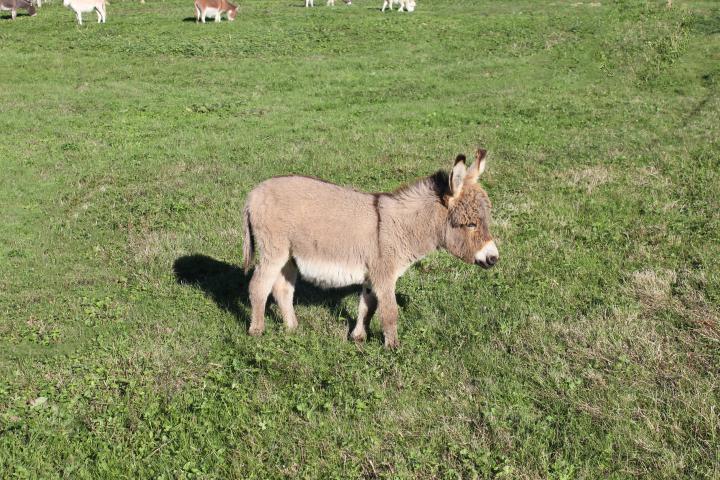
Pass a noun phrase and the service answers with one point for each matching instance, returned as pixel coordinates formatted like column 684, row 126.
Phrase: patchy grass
column 590, row 351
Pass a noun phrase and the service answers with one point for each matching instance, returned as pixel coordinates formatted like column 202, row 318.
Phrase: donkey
column 14, row 5
column 336, row 237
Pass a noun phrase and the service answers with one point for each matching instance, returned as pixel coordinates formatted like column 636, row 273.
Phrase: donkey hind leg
column 79, row 17
column 366, row 309
column 283, row 290
column 263, row 279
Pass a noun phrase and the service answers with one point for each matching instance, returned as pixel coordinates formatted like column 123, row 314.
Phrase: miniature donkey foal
column 335, row 237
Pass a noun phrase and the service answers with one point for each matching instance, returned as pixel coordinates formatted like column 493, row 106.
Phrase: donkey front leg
column 388, row 309
column 283, row 291
column 366, row 309
column 264, row 277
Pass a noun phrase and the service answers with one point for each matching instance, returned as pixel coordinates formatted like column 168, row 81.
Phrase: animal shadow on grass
column 207, row 20
column 227, row 286
column 18, row 15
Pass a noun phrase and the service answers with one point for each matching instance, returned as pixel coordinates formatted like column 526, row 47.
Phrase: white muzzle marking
column 488, row 250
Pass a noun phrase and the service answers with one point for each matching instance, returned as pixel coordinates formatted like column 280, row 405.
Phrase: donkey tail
column 248, row 241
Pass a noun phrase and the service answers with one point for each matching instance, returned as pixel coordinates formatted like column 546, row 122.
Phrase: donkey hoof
column 391, row 343
column 255, row 331
column 359, row 337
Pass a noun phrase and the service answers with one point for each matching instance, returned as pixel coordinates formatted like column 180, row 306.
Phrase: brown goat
column 335, row 237
column 214, row 8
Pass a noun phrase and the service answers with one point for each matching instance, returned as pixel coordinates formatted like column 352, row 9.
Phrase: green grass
column 591, row 351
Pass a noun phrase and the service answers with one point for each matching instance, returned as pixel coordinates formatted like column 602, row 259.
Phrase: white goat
column 80, row 6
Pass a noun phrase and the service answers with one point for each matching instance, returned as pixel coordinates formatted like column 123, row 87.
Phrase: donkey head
column 232, row 12
column 467, row 230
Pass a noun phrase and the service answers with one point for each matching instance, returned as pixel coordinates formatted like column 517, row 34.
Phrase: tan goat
column 335, row 237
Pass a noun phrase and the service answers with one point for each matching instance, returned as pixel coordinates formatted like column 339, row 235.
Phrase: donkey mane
column 437, row 183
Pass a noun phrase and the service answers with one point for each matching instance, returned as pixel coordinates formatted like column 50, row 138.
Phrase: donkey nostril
column 492, row 260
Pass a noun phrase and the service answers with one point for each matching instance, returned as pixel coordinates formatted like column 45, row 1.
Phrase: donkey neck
column 413, row 218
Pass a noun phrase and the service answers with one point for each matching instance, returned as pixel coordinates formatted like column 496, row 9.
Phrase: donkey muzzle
column 488, row 255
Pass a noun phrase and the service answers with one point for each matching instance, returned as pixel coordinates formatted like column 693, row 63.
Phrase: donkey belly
column 329, row 274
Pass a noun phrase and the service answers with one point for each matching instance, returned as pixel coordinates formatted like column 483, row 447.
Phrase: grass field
column 591, row 351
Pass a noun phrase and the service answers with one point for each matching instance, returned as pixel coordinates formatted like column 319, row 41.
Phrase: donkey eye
column 471, row 225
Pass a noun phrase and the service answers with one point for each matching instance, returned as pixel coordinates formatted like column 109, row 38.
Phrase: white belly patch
column 211, row 12
column 82, row 8
column 330, row 275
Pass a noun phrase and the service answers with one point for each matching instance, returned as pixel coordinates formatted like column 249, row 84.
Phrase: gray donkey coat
column 336, row 236
column 14, row 5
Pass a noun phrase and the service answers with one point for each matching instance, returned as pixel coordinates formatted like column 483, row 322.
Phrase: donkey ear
column 478, row 167
column 457, row 176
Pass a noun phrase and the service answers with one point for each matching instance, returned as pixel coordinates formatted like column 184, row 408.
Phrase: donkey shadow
column 227, row 286
column 17, row 15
